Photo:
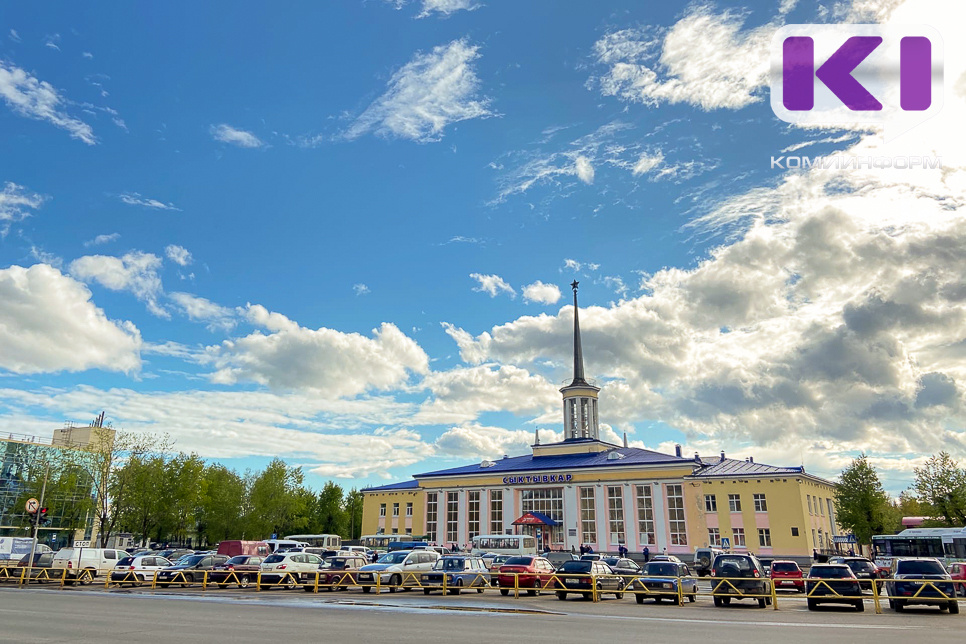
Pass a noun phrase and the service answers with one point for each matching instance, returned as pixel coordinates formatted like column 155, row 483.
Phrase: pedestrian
column 583, row 550
column 851, row 551
column 664, row 551
column 573, row 550
column 647, row 554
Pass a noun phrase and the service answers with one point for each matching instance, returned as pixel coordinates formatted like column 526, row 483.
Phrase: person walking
column 647, row 554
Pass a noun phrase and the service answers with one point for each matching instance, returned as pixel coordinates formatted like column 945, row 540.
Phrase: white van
column 100, row 561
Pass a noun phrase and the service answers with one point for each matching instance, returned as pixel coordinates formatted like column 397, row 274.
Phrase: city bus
column 381, row 541
column 504, row 544
column 326, row 541
column 946, row 544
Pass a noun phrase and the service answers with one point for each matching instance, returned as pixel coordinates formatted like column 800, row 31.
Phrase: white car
column 95, row 561
column 289, row 569
column 137, row 570
column 398, row 569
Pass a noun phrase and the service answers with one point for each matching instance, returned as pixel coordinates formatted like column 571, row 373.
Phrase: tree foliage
column 940, row 486
column 863, row 507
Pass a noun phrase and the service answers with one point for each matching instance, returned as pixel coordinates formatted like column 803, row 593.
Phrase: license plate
column 365, row 577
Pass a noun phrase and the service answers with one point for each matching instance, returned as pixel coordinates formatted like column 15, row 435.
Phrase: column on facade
column 603, row 520
column 631, row 540
column 571, row 515
column 661, row 523
column 509, row 508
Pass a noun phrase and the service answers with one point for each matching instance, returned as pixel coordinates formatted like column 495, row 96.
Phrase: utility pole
column 33, row 545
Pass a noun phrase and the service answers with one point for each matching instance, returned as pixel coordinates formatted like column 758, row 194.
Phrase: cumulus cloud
column 102, row 239
column 16, row 202
column 233, row 136
column 203, row 310
column 584, row 169
column 135, row 272
column 492, row 285
column 447, row 7
column 178, row 254
column 136, row 199
column 541, row 293
column 728, row 70
column 48, row 323
column 360, row 289
column 36, row 99
column 474, row 441
column 330, row 362
column 427, row 94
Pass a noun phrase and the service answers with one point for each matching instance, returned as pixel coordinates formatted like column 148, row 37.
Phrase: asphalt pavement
column 280, row 616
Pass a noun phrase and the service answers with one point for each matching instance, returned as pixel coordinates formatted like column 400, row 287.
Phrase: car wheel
column 244, row 581
column 639, row 598
column 692, row 598
column 394, row 582
column 812, row 604
column 504, row 591
column 561, row 596
column 801, row 589
column 138, row 580
column 289, row 582
column 954, row 607
column 726, row 601
column 479, row 591
column 761, row 602
column 619, row 595
column 718, row 602
column 366, row 589
column 899, row 605
column 859, row 605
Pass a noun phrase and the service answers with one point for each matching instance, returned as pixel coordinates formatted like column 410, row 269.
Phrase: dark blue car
column 458, row 572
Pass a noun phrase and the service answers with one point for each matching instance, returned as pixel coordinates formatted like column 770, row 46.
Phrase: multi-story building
column 583, row 490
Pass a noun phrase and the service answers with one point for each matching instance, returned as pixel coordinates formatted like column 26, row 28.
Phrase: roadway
column 94, row 615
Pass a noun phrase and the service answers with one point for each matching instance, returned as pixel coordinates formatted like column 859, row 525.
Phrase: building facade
column 595, row 493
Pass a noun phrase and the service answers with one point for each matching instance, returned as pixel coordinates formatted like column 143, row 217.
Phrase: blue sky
column 342, row 233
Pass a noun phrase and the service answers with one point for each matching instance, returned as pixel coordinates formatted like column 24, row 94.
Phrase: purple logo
column 854, row 74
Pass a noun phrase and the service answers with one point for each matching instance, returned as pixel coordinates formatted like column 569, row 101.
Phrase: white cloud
column 647, row 162
column 135, row 272
column 102, row 239
column 136, row 199
column 88, row 55
column 474, row 441
column 492, row 285
column 36, row 99
column 51, row 40
column 426, row 95
column 48, row 323
column 178, row 254
column 325, row 360
column 360, row 289
column 728, row 70
column 15, row 205
column 204, row 310
column 542, row 293
column 584, row 170
column 447, row 7
column 44, row 257
column 14, row 36
column 227, row 134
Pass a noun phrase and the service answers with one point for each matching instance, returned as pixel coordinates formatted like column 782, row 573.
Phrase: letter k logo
column 836, row 73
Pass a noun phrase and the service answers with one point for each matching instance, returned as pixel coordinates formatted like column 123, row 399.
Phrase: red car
column 533, row 573
column 787, row 574
column 958, row 572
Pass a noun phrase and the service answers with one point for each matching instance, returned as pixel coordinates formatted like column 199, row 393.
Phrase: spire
column 578, row 353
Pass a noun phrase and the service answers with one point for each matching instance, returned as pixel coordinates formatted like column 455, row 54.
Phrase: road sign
column 725, row 542
column 82, row 544
column 32, row 505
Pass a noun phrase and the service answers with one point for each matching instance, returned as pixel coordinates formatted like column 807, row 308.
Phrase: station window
column 547, row 501
column 452, row 516
column 734, row 502
column 588, row 516
column 645, row 514
column 809, row 497
column 615, row 512
column 675, row 515
column 496, row 512
column 794, row 532
column 382, row 509
column 473, row 512
column 764, row 537
column 738, row 537
column 431, row 516
column 710, row 503
column 760, row 504
column 395, row 509
column 714, row 537
column 409, row 509
column 821, row 506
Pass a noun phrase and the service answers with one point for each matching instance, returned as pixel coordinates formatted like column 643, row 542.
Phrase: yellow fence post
column 774, row 595
column 875, row 596
column 680, row 591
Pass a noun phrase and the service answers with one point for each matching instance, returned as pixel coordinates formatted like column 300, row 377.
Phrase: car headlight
column 667, row 584
column 425, row 577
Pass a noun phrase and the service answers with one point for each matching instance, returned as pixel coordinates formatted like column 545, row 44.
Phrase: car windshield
column 191, row 560
column 126, row 561
column 920, row 568
column 239, row 560
column 271, row 559
column 518, row 561
column 785, row 566
column 576, row 566
column 448, row 563
column 660, row 569
column 393, row 558
column 611, row 561
column 830, row 572
column 741, row 563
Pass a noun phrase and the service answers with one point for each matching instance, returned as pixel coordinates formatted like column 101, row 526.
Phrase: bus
column 381, row 541
column 326, row 541
column 504, row 544
column 946, row 544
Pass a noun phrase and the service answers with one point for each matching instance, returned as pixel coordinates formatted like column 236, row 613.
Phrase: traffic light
column 42, row 516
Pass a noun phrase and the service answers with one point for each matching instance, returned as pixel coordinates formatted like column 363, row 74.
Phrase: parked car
column 137, row 570
column 525, row 571
column 338, row 572
column 703, row 558
column 583, row 576
column 175, row 554
column 787, row 574
column 98, row 561
column 244, row 567
column 591, row 556
column 903, row 590
column 833, row 584
column 289, row 569
column 737, row 577
column 459, row 571
column 394, row 569
column 673, row 558
column 234, row 547
column 957, row 572
column 660, row 579
column 495, row 564
column 189, row 569
column 559, row 558
column 626, row 568
column 42, row 561
column 864, row 569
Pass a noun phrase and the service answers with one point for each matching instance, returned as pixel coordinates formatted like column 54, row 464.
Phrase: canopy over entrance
column 535, row 518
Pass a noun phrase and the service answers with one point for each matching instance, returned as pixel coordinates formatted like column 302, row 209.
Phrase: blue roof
column 404, row 485
column 529, row 463
column 734, row 467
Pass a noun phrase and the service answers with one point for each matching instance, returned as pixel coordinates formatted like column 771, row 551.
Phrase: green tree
column 184, row 493
column 140, row 506
column 329, row 516
column 353, row 510
column 941, row 485
column 275, row 502
column 863, row 507
column 222, row 505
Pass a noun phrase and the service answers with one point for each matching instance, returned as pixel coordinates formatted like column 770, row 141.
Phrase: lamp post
column 33, row 543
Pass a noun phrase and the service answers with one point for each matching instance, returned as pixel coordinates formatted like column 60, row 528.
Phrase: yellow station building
column 588, row 491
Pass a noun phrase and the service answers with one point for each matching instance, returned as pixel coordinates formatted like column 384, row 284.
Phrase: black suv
column 921, row 580
column 739, row 577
